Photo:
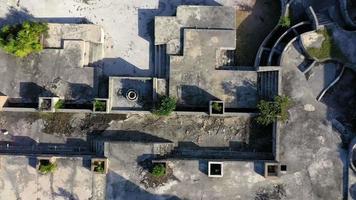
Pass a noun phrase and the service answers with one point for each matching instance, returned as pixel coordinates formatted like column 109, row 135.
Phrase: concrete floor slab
column 20, row 180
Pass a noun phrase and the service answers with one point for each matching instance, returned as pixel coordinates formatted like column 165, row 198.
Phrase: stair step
column 96, row 53
column 86, row 54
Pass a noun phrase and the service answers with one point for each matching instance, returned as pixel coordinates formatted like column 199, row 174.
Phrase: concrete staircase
column 93, row 53
column 324, row 19
column 97, row 147
column 267, row 84
column 161, row 62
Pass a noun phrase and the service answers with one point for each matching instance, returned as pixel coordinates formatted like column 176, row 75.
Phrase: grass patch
column 328, row 50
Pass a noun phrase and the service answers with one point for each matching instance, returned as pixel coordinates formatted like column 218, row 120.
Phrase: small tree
column 272, row 110
column 22, row 39
column 166, row 106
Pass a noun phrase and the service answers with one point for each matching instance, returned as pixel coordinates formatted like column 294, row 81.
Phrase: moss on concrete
column 328, row 49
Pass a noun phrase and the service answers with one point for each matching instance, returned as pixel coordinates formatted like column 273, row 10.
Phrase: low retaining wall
column 284, row 8
column 345, row 14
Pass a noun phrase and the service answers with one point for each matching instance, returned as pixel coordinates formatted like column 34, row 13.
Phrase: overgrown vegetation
column 285, row 21
column 328, row 49
column 165, row 106
column 217, row 107
column 47, row 167
column 22, row 39
column 273, row 110
column 158, row 170
column 100, row 105
column 59, row 104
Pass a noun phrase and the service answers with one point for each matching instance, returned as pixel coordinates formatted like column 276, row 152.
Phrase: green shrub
column 217, row 107
column 158, row 170
column 166, row 106
column 99, row 166
column 272, row 110
column 47, row 167
column 59, row 104
column 100, row 105
column 285, row 21
column 22, row 39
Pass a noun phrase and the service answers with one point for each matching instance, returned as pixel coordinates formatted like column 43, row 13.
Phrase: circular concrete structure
column 132, row 95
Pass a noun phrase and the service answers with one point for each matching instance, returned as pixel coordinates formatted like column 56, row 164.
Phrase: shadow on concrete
column 258, row 167
column 19, row 15
column 65, row 20
column 65, row 194
column 194, row 97
column 24, row 145
column 352, row 191
column 117, row 187
column 120, row 67
column 15, row 16
column 254, row 23
column 203, row 166
column 125, row 136
column 30, row 91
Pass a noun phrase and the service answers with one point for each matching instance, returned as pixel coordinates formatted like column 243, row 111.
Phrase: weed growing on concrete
column 99, row 166
column 100, row 105
column 166, row 106
column 59, row 104
column 47, row 167
column 328, row 49
column 285, row 22
column 217, row 107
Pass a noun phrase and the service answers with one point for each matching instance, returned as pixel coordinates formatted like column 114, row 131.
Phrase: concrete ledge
column 63, row 110
column 283, row 11
column 10, row 109
column 86, row 32
column 345, row 14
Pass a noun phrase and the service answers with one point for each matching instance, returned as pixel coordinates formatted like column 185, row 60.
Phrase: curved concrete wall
column 282, row 36
column 345, row 14
column 284, row 7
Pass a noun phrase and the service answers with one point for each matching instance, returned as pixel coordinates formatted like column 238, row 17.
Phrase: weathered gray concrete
column 118, row 88
column 168, row 29
column 37, row 75
column 309, row 144
column 126, row 176
column 194, row 80
column 19, row 179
